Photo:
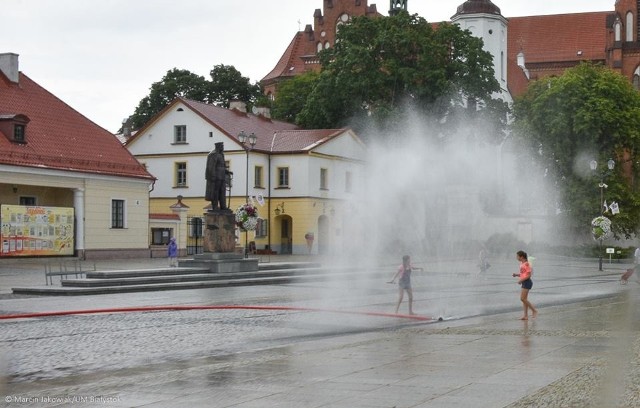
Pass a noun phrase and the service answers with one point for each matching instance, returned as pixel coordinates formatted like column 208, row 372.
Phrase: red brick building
column 524, row 48
column 301, row 54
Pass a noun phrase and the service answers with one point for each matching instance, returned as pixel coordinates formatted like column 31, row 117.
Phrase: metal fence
column 195, row 238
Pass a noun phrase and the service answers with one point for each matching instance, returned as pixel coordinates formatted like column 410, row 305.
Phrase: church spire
column 396, row 6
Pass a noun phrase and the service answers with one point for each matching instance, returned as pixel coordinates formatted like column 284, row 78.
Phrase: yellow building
column 67, row 186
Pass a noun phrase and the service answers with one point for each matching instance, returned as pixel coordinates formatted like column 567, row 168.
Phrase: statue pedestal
column 219, row 232
column 219, row 246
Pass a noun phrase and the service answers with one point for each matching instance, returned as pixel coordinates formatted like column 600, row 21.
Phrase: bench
column 64, row 269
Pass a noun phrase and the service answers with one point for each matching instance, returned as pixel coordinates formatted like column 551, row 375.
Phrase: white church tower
column 483, row 19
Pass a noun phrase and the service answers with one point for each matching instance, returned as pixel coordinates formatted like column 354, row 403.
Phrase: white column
column 78, row 205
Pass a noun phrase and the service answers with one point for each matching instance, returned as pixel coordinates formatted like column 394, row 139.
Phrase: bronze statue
column 216, row 175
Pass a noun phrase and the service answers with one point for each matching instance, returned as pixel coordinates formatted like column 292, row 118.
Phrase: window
column 28, row 201
column 257, row 176
column 181, row 174
column 261, row 228
column 323, row 179
column 348, row 182
column 629, row 33
column 283, row 177
column 160, row 236
column 117, row 214
column 180, row 134
column 18, row 133
column 195, row 227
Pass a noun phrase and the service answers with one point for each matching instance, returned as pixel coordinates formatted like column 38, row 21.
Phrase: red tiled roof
column 559, row 37
column 290, row 141
column 58, row 137
column 232, row 122
column 290, row 59
column 273, row 136
column 554, row 39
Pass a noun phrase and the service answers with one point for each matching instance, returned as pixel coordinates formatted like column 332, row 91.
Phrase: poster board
column 36, row 231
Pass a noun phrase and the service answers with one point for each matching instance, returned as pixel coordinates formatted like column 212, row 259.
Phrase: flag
column 614, row 208
column 606, row 209
column 260, row 199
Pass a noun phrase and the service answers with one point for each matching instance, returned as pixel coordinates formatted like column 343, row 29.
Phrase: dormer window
column 14, row 127
column 18, row 133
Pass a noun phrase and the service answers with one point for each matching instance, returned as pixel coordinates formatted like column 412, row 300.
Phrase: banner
column 35, row 231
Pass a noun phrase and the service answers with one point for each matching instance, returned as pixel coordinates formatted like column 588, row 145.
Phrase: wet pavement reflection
column 476, row 356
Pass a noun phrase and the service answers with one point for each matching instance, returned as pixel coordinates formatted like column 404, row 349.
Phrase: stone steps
column 149, row 278
column 142, row 280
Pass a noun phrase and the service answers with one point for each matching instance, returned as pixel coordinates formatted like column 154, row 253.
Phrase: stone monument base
column 219, row 232
column 222, row 262
column 219, row 246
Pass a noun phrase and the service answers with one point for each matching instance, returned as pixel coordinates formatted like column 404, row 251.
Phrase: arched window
column 343, row 19
column 636, row 79
column 327, row 45
column 617, row 30
column 629, row 27
column 319, row 47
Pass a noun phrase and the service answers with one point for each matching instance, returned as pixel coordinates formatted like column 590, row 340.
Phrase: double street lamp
column 594, row 166
column 248, row 142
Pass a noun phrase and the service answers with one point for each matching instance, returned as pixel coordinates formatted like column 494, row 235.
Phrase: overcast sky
column 101, row 56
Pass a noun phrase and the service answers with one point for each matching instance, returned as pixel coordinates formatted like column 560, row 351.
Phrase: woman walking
column 524, row 279
column 404, row 272
column 172, row 252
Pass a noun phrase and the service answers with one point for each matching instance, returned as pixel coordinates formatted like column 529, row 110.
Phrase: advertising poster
column 36, row 231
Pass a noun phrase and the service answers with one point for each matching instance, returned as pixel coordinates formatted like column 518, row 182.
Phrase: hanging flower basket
column 601, row 228
column 247, row 217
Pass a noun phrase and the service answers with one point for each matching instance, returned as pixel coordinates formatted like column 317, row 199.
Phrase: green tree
column 590, row 112
column 226, row 83
column 175, row 83
column 292, row 95
column 380, row 65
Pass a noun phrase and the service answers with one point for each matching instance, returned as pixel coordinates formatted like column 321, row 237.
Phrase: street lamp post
column 594, row 166
column 248, row 142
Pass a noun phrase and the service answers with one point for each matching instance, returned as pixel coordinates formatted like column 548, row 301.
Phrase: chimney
column 262, row 111
column 520, row 62
column 238, row 105
column 9, row 66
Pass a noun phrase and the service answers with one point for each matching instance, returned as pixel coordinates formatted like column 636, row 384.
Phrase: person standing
column 404, row 273
column 483, row 263
column 524, row 279
column 172, row 252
